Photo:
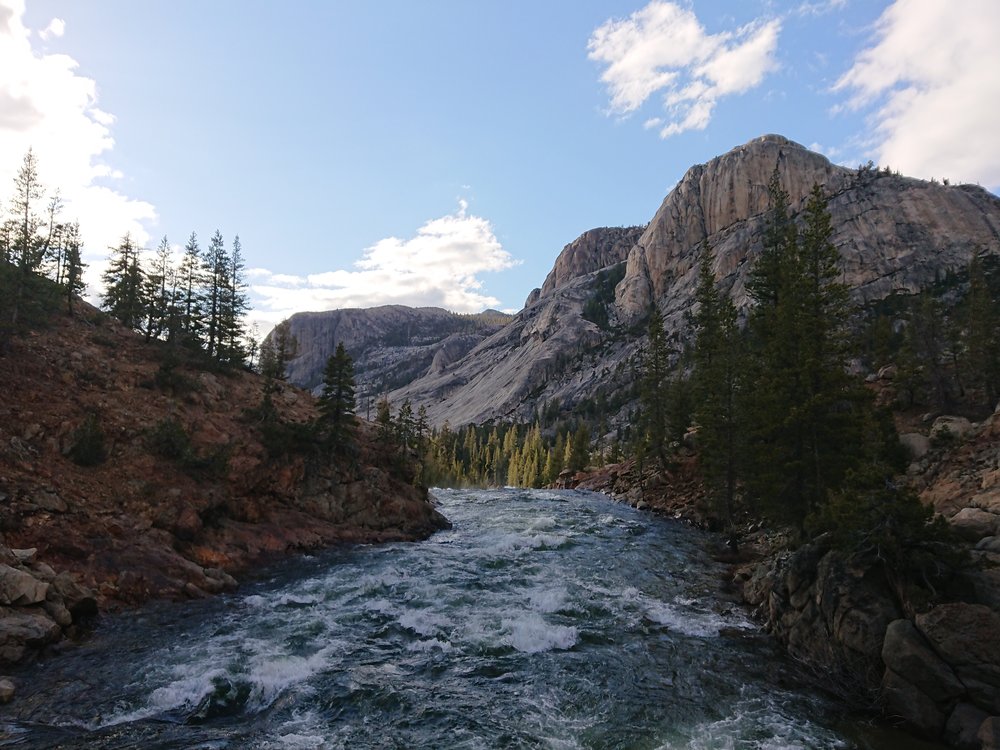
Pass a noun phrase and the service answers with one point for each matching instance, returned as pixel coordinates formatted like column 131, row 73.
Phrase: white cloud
column 439, row 267
column 46, row 105
column 664, row 49
column 932, row 77
column 56, row 28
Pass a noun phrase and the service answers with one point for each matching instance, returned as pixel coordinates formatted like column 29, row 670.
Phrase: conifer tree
column 982, row 335
column 235, row 305
column 653, row 395
column 215, row 266
column 718, row 370
column 337, row 401
column 803, row 406
column 124, row 295
column 24, row 247
column 73, row 265
column 383, row 418
column 190, row 283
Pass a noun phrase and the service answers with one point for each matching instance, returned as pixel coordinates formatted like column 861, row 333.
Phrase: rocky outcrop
column 894, row 234
column 591, row 251
column 936, row 673
column 188, row 488
column 37, row 606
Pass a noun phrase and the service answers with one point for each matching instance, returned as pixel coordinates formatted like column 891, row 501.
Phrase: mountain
column 576, row 340
column 391, row 345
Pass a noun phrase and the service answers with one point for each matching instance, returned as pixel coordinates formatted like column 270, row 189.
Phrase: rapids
column 541, row 620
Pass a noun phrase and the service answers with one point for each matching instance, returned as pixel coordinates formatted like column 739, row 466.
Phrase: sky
column 443, row 152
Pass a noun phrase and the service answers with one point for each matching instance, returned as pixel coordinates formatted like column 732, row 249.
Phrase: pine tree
column 982, row 335
column 803, row 406
column 123, row 284
column 215, row 267
column 718, row 371
column 235, row 304
column 653, row 395
column 24, row 247
column 73, row 265
column 383, row 418
column 190, row 297
column 337, row 401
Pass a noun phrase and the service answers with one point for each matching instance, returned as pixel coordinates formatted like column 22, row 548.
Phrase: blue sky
column 443, row 152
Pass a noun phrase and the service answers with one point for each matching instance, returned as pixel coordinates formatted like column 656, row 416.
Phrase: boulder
column 989, row 734
column 907, row 653
column 950, row 428
column 916, row 444
column 80, row 601
column 910, row 706
column 20, row 588
column 963, row 726
column 974, row 524
column 6, row 690
column 22, row 629
column 966, row 637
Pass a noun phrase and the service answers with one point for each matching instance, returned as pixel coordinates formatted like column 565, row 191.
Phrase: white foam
column 530, row 634
column 548, row 600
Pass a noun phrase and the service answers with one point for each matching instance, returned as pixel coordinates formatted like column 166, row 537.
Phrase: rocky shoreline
column 931, row 667
column 187, row 492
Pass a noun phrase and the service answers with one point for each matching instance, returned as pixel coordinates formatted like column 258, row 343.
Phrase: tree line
column 199, row 301
column 40, row 255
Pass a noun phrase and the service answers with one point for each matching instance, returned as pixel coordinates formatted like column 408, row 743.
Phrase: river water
column 541, row 620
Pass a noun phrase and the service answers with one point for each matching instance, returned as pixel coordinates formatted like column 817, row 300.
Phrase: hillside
column 894, row 234
column 131, row 473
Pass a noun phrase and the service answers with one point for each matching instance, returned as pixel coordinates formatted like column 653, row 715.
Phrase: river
column 541, row 620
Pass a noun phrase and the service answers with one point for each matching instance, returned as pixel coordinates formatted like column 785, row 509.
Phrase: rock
column 79, row 600
column 966, row 637
column 50, row 501
column 963, row 726
column 24, row 555
column 907, row 653
column 989, row 733
column 916, row 444
column 21, row 629
column 888, row 372
column 989, row 544
column 20, row 588
column 973, row 524
column 591, row 251
column 908, row 705
column 7, row 690
column 953, row 428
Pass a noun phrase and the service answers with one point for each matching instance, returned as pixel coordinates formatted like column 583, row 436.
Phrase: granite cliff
column 391, row 345
column 894, row 234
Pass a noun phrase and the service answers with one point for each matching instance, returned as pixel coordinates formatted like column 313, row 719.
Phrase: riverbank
column 927, row 659
column 129, row 472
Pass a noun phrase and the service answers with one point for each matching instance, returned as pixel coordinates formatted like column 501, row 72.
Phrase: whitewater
column 540, row 620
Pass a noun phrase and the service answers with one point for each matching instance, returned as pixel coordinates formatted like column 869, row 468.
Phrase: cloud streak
column 664, row 50
column 439, row 266
column 931, row 78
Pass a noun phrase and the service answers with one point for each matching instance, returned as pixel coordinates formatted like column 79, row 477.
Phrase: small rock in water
column 6, row 690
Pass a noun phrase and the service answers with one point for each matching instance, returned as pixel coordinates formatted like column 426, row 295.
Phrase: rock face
column 390, row 345
column 894, row 234
column 937, row 673
column 591, row 251
column 193, row 490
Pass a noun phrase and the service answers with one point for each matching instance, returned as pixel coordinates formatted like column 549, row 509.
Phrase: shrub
column 88, row 443
column 169, row 440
